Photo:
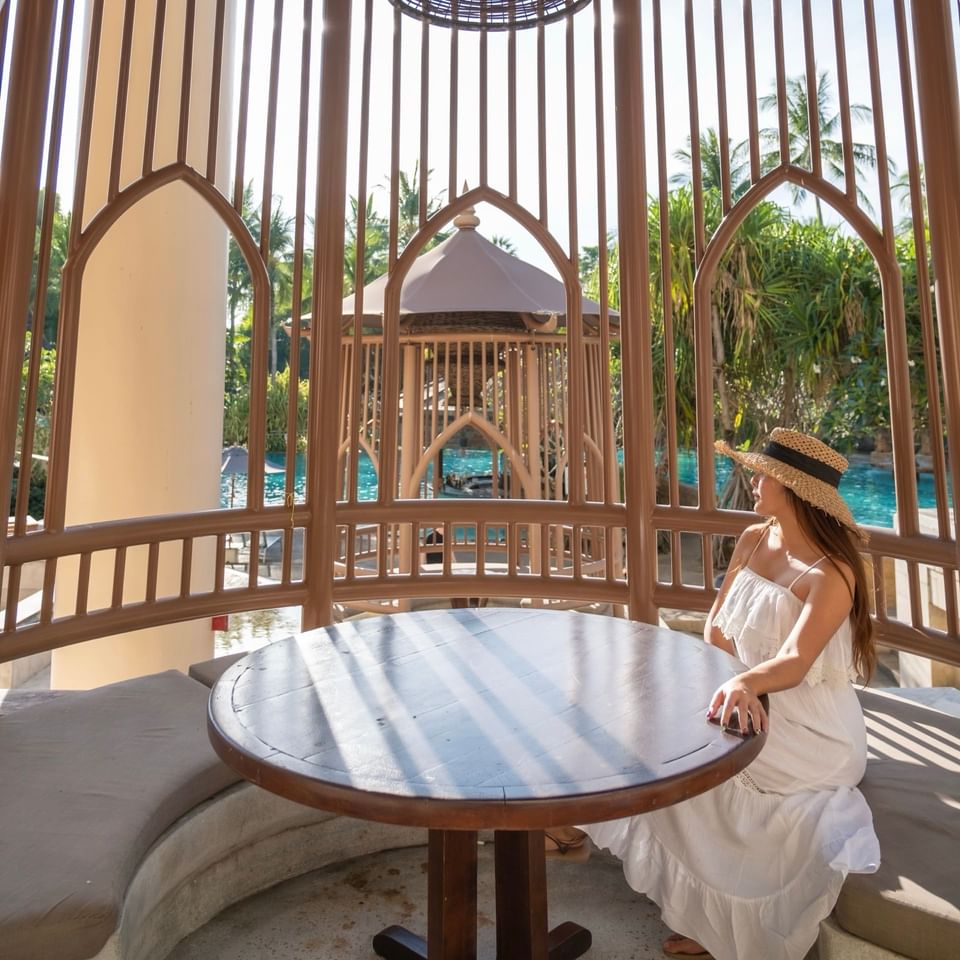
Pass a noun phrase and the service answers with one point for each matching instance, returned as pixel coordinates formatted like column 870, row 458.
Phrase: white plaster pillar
column 148, row 402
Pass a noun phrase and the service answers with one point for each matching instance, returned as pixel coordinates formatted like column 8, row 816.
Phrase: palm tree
column 710, row 165
column 376, row 237
column 408, row 207
column 798, row 134
column 900, row 190
column 279, row 270
column 239, row 285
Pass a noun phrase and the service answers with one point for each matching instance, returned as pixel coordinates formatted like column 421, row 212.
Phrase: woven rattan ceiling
column 489, row 14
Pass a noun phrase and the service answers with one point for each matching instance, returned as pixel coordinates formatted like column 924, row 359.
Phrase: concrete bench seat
column 122, row 831
column 910, row 908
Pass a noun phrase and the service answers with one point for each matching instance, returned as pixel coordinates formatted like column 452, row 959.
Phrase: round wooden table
column 498, row 718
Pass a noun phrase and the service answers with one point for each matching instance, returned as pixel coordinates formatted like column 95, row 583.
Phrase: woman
column 749, row 869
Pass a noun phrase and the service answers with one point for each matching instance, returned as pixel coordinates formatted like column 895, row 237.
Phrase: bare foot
column 677, row 945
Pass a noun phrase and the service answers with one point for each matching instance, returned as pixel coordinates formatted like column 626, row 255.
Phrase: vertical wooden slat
column 92, row 68
column 751, row 70
column 934, row 411
column 293, row 395
column 22, row 154
column 83, row 584
column 4, row 23
column 263, row 300
column 219, row 563
column 898, row 371
column 216, row 69
column 542, row 121
column 843, row 96
column 266, row 203
column 879, row 127
column 358, row 365
column 13, row 591
column 722, row 128
column 153, row 568
column 453, row 119
column 669, row 384
column 395, row 140
column 119, row 570
column 186, row 566
column 42, row 272
column 424, row 113
column 320, row 540
column 813, row 106
column 243, row 109
column 123, row 89
column 49, row 585
column 576, row 387
column 482, row 113
column 696, row 173
column 782, row 124
column 512, row 109
column 186, row 78
column 635, row 303
column 153, row 94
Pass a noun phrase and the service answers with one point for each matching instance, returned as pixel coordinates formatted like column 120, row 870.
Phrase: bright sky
column 676, row 100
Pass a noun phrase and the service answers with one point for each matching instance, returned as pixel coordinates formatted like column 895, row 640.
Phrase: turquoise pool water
column 867, row 489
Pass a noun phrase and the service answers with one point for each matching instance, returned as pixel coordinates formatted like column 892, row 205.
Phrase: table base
column 521, row 898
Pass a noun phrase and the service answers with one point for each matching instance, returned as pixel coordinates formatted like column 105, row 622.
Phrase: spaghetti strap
column 803, row 573
column 762, row 536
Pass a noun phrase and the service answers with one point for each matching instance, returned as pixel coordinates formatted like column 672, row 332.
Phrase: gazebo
column 484, row 367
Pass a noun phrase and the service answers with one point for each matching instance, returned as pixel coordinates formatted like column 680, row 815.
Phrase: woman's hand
column 737, row 694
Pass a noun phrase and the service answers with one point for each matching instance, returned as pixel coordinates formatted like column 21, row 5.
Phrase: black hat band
column 810, row 465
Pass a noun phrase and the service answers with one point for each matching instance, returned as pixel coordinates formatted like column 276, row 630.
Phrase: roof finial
column 468, row 220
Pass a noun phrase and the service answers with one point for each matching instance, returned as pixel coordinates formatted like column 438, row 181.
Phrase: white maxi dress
column 750, row 868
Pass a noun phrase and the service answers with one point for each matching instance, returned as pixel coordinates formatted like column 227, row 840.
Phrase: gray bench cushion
column 90, row 781
column 208, row 672
column 912, row 904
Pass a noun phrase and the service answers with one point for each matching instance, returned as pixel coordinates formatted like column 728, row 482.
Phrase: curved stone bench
column 122, row 831
column 910, row 908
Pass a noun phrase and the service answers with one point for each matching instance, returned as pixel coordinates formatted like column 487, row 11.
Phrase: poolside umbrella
column 235, row 460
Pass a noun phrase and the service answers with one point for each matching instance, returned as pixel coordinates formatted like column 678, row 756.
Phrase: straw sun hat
column 806, row 465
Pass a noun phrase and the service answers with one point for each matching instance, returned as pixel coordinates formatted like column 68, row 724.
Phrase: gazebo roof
column 467, row 274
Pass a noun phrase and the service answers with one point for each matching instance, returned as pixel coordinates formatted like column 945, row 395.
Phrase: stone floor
column 335, row 912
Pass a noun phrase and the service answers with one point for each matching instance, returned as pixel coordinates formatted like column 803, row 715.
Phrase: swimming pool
column 868, row 490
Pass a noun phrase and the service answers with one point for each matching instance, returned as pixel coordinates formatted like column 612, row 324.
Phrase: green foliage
column 59, row 236
column 797, row 324
column 41, row 428
column 236, row 414
column 280, row 270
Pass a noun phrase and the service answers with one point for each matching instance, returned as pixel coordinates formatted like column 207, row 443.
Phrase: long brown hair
column 836, row 541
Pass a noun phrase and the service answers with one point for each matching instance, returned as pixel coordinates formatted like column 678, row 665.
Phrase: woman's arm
column 827, row 605
column 741, row 553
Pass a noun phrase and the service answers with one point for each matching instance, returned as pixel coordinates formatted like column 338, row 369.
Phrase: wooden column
column 32, row 52
column 638, row 446
column 940, row 126
column 323, row 429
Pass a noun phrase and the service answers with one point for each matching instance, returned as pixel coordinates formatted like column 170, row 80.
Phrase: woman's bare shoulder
column 834, row 574
column 751, row 535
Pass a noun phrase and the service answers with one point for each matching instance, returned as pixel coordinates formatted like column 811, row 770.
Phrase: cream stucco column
column 148, row 401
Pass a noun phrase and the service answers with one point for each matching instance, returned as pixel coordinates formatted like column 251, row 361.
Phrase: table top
column 499, row 718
